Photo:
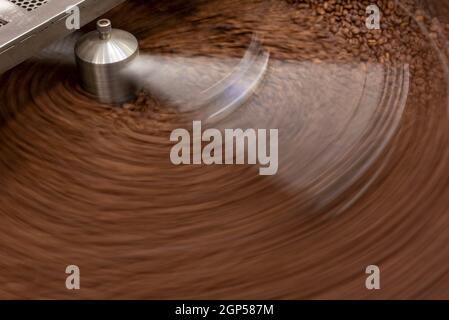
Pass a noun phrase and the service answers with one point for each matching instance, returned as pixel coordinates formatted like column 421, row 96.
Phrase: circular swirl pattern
column 363, row 173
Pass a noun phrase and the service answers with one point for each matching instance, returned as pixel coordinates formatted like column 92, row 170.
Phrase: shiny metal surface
column 210, row 89
column 101, row 56
column 26, row 32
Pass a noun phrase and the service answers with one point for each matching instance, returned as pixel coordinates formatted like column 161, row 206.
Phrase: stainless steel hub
column 101, row 56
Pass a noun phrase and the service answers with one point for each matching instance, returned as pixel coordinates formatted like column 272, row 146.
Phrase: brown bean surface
column 91, row 185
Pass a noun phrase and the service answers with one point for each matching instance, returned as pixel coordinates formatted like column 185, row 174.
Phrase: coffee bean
column 400, row 40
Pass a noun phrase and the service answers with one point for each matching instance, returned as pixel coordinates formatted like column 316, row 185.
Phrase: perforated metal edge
column 29, row 5
column 28, row 32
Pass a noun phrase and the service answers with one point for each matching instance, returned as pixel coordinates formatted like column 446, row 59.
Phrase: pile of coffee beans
column 407, row 35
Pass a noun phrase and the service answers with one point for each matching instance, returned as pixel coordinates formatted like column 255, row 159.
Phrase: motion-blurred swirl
column 363, row 164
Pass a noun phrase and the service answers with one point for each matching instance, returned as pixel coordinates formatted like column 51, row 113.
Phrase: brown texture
column 93, row 186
